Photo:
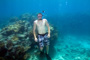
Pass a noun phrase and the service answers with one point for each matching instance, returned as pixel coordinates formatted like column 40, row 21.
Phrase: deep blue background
column 69, row 16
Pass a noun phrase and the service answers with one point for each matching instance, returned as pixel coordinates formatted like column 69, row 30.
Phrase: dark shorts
column 43, row 40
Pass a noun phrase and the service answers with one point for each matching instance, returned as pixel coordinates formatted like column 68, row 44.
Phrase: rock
column 21, row 35
column 77, row 58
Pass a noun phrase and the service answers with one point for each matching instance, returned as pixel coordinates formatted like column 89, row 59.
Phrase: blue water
column 71, row 17
column 62, row 13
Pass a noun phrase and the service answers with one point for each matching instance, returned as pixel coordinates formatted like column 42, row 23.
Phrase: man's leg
column 47, row 54
column 41, row 49
column 46, row 42
column 41, row 52
column 47, row 49
column 41, row 44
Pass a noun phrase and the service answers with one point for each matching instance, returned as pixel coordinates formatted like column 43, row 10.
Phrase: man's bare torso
column 41, row 27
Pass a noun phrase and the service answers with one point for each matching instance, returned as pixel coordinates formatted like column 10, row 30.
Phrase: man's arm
column 34, row 28
column 47, row 24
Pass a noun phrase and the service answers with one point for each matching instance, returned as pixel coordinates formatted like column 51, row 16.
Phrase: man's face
column 39, row 16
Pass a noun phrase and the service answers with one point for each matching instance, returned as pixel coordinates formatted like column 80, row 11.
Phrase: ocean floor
column 72, row 48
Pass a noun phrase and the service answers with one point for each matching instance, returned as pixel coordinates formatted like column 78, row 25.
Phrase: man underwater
column 43, row 36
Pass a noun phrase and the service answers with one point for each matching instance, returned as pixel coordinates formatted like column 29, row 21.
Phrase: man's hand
column 35, row 39
column 48, row 35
